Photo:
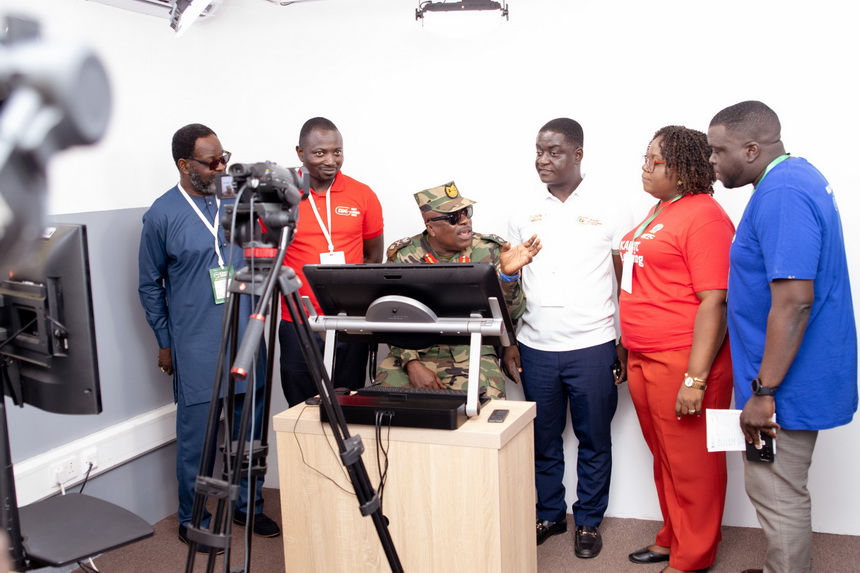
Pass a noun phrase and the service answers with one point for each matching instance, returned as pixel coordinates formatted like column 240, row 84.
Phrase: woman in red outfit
column 673, row 323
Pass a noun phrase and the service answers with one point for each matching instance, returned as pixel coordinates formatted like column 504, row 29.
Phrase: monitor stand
column 401, row 314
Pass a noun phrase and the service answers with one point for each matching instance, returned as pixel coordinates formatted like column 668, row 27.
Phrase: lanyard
column 325, row 231
column 653, row 216
column 627, row 269
column 770, row 166
column 213, row 226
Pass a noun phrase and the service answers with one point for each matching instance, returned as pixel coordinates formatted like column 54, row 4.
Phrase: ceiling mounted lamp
column 463, row 6
column 185, row 12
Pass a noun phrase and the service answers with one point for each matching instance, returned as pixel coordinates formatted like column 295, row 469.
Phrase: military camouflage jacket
column 484, row 249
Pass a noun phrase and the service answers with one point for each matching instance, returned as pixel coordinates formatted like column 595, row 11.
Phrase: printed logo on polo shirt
column 536, row 218
column 654, row 229
column 347, row 211
column 589, row 221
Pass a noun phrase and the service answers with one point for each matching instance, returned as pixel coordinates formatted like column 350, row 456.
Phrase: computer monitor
column 48, row 355
column 450, row 290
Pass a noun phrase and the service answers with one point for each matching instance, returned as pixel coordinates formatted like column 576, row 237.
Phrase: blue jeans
column 582, row 381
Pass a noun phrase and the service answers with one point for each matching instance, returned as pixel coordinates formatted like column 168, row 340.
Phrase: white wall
column 417, row 110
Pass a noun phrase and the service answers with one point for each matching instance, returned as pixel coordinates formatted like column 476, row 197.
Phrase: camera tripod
column 267, row 280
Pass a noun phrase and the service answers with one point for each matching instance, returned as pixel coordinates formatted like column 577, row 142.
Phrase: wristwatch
column 692, row 382
column 760, row 390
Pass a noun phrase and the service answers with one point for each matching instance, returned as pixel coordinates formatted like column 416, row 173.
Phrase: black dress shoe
column 546, row 529
column 645, row 555
column 587, row 542
column 183, row 536
column 264, row 526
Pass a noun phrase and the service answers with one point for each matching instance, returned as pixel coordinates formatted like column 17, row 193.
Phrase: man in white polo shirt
column 567, row 335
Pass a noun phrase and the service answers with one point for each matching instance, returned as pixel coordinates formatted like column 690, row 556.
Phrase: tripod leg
column 350, row 448
column 207, row 486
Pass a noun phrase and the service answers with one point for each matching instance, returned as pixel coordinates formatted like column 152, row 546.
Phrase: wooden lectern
column 457, row 500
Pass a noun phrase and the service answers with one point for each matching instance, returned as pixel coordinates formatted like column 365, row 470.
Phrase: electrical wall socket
column 63, row 471
column 89, row 456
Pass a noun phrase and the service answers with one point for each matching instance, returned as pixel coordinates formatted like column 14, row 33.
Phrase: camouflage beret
column 442, row 199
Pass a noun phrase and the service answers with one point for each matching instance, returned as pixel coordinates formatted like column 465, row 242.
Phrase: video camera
column 53, row 95
column 266, row 202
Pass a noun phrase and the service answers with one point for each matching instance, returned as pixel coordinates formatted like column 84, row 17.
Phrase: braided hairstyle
column 687, row 153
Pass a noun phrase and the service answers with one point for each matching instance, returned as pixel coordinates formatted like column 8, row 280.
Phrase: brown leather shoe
column 753, row 571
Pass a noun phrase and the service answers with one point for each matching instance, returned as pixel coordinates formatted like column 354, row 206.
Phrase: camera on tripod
column 266, row 202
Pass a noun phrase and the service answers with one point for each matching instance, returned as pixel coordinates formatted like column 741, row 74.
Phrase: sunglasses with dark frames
column 454, row 218
column 213, row 165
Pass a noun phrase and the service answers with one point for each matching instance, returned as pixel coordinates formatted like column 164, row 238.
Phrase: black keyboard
column 379, row 390
column 442, row 413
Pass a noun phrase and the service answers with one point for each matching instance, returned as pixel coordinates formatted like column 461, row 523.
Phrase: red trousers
column 691, row 482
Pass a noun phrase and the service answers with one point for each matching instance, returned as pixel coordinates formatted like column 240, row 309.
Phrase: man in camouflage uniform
column 448, row 238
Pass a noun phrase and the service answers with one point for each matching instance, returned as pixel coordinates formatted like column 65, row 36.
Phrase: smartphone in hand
column 765, row 454
column 616, row 370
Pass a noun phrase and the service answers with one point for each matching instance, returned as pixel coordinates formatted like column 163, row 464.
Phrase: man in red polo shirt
column 340, row 222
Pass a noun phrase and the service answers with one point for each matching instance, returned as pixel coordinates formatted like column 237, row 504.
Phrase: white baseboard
column 35, row 478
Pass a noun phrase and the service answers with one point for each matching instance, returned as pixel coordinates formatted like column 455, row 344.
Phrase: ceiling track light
column 185, row 12
column 464, row 5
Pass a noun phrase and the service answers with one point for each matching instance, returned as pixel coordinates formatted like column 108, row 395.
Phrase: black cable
column 309, row 466
column 86, row 477
column 14, row 336
column 382, row 466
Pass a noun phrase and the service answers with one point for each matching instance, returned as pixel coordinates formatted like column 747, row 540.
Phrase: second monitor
column 450, row 291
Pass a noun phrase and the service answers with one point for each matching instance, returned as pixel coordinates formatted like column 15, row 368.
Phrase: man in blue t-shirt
column 791, row 320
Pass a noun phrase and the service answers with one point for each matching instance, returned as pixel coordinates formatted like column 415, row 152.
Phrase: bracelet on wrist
column 509, row 278
column 693, row 382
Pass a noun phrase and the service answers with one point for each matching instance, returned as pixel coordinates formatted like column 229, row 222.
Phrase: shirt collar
column 578, row 192
column 336, row 185
column 182, row 189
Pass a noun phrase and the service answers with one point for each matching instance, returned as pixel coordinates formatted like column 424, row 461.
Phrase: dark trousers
column 349, row 371
column 190, row 434
column 582, row 381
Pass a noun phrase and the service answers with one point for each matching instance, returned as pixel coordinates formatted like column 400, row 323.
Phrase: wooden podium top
column 476, row 432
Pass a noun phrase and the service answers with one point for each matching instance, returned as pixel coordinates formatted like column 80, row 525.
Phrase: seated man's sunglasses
column 454, row 218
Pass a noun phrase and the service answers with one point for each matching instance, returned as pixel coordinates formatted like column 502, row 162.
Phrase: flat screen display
column 450, row 290
column 47, row 331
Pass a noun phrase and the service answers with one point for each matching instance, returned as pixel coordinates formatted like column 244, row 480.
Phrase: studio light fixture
column 185, row 12
column 463, row 6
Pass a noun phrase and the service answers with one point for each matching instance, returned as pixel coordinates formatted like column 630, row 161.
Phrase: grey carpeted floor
column 741, row 548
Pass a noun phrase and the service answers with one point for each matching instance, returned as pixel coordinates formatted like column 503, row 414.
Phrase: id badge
column 333, row 258
column 627, row 273
column 220, row 279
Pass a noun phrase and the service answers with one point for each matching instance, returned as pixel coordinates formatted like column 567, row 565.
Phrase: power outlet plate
column 89, row 456
column 63, row 471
